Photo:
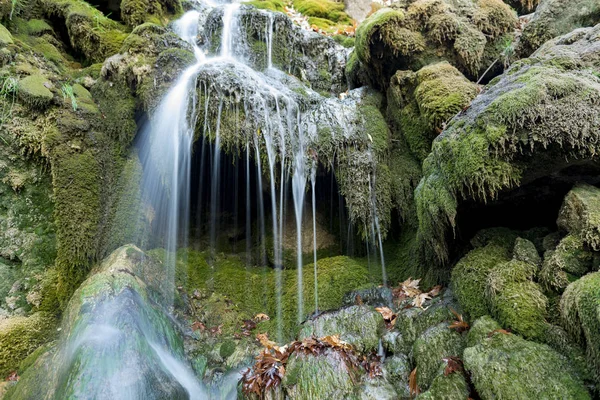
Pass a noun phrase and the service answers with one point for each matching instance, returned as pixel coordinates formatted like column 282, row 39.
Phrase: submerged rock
column 113, row 327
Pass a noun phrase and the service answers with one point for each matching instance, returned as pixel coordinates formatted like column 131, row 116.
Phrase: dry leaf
column 420, row 299
column 459, row 324
column 413, row 387
column 411, row 287
column 198, row 326
column 435, row 291
column 265, row 342
column 388, row 316
column 261, row 317
column 13, row 377
column 453, row 364
column 502, row 331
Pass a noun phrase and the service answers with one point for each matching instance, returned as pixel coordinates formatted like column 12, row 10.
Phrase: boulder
column 580, row 214
column 569, row 261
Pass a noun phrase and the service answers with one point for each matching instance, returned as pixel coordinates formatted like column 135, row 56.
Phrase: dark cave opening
column 535, row 204
column 220, row 214
column 110, row 8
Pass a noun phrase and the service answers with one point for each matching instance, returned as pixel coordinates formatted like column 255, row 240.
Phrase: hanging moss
column 137, row 12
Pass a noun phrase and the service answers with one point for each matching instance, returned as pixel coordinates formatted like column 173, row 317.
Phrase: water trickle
column 299, row 191
column 313, row 178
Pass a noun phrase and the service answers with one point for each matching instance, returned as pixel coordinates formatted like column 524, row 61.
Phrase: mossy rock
column 476, row 156
column 553, row 18
column 398, row 368
column 20, row 336
column 515, row 300
column 33, row 90
column 361, row 326
column 431, row 347
column 580, row 310
column 410, row 35
column 446, row 387
column 136, row 12
column 5, row 37
column 580, row 214
column 526, row 251
column 569, row 261
column 481, row 329
column 506, row 366
column 318, row 377
column 469, row 278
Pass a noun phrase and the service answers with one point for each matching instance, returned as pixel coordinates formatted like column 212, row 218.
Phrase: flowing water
column 279, row 148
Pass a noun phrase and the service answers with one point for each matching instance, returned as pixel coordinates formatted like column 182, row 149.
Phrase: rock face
column 553, row 18
column 112, row 321
column 534, row 110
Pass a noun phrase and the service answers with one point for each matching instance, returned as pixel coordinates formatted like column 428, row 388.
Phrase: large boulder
column 113, row 327
column 411, row 35
column 506, row 366
column 553, row 18
column 513, row 133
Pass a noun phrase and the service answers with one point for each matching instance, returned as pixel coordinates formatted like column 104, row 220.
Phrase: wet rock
column 361, row 326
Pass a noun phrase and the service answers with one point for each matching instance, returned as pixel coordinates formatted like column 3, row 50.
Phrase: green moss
column 569, row 260
column 382, row 23
column 430, row 348
column 580, row 214
column 446, row 387
column 33, row 91
column 509, row 367
column 469, row 278
column 526, row 251
column 579, row 309
column 117, row 104
column 273, row 5
column 32, row 27
column 20, row 336
column 5, row 36
column 76, row 179
column 136, row 12
column 481, row 329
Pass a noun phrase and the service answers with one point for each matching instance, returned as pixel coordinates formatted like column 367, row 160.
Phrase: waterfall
column 313, row 178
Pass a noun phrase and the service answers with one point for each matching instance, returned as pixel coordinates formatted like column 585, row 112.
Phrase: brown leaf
column 413, row 387
column 358, row 300
column 453, row 364
column 460, row 325
column 420, row 300
column 435, row 291
column 388, row 316
column 411, row 287
column 263, row 338
column 261, row 317
column 216, row 330
column 198, row 326
column 13, row 377
column 502, row 331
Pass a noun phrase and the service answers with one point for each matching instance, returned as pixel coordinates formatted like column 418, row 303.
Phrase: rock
column 523, row 6
column 358, row 9
column 507, row 366
column 580, row 311
column 20, row 336
column 112, row 321
column 569, row 261
column 398, row 370
column 423, row 102
column 580, row 214
column 136, row 12
column 553, row 18
column 361, row 326
column 481, row 329
column 526, row 251
column 431, row 347
column 33, row 91
column 5, row 37
column 534, row 110
column 377, row 389
column 374, row 297
column 446, row 387
column 325, row 376
column 551, row 240
column 411, row 35
column 469, row 278
column 515, row 300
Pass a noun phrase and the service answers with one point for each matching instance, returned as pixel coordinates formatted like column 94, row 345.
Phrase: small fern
column 67, row 91
column 8, row 92
column 15, row 7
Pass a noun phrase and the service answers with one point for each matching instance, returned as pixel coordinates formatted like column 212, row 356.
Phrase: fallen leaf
column 358, row 300
column 453, row 364
column 261, row 317
column 420, row 299
column 388, row 316
column 460, row 325
column 198, row 326
column 435, row 291
column 502, row 331
column 216, row 330
column 13, row 377
column 411, row 287
column 263, row 338
column 413, row 387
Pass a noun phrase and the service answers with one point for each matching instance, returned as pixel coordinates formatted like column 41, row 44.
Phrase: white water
column 313, row 179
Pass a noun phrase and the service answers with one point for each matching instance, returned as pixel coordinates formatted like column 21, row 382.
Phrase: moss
column 526, row 251
column 381, row 23
column 520, row 305
column 273, row 5
column 563, row 343
column 580, row 214
column 358, row 325
column 33, row 91
column 568, row 261
column 446, row 387
column 136, row 12
column 509, row 367
column 481, row 329
column 430, row 348
column 318, row 377
column 20, row 336
column 469, row 278
column 76, row 179
column 5, row 36
column 579, row 307
column 117, row 104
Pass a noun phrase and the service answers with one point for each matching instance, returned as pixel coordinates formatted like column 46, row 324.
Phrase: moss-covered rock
column 553, row 18
column 34, row 91
column 469, row 278
column 426, row 101
column 567, row 262
column 481, row 329
column 5, row 36
column 511, row 134
column 579, row 308
column 515, row 300
column 446, row 387
column 360, row 326
column 20, row 336
column 414, row 34
column 431, row 347
column 580, row 214
column 136, row 12
column 506, row 366
column 398, row 368
column 526, row 251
